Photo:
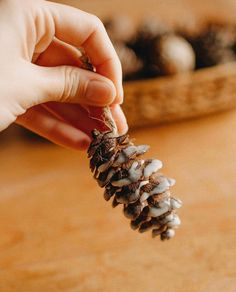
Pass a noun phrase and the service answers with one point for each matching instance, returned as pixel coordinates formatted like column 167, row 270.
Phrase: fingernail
column 100, row 93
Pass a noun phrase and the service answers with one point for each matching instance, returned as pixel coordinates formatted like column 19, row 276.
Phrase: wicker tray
column 205, row 91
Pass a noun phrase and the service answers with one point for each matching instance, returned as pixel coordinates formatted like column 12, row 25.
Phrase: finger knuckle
column 98, row 24
column 70, row 83
column 7, row 118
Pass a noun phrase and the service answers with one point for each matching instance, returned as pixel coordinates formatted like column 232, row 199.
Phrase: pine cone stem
column 107, row 115
column 109, row 121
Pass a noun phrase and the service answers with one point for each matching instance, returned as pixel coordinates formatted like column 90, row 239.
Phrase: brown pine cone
column 171, row 54
column 214, row 44
column 148, row 30
column 135, row 183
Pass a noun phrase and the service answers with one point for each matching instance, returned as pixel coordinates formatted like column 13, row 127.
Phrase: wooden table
column 58, row 234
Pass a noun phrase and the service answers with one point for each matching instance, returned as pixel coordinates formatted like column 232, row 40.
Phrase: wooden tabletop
column 58, row 233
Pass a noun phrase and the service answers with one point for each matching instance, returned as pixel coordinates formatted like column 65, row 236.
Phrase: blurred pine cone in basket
column 213, row 44
column 156, row 50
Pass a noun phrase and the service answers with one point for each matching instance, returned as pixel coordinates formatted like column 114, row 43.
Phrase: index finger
column 82, row 29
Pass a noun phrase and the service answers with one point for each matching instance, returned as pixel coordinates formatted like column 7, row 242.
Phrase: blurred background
column 58, row 233
column 164, row 47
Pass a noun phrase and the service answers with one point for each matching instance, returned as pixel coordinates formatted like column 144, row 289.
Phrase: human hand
column 41, row 84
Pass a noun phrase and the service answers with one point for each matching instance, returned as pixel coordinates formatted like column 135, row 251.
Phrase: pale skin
column 42, row 86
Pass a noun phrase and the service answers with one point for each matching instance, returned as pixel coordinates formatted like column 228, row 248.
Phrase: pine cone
column 149, row 30
column 171, row 54
column 135, row 183
column 214, row 44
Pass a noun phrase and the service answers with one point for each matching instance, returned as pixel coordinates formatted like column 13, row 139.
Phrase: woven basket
column 173, row 98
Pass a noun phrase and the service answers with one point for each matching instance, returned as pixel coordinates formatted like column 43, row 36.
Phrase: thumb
column 73, row 85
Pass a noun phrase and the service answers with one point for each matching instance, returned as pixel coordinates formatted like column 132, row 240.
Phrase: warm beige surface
column 58, row 234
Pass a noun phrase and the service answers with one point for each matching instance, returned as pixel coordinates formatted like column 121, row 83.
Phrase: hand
column 41, row 84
